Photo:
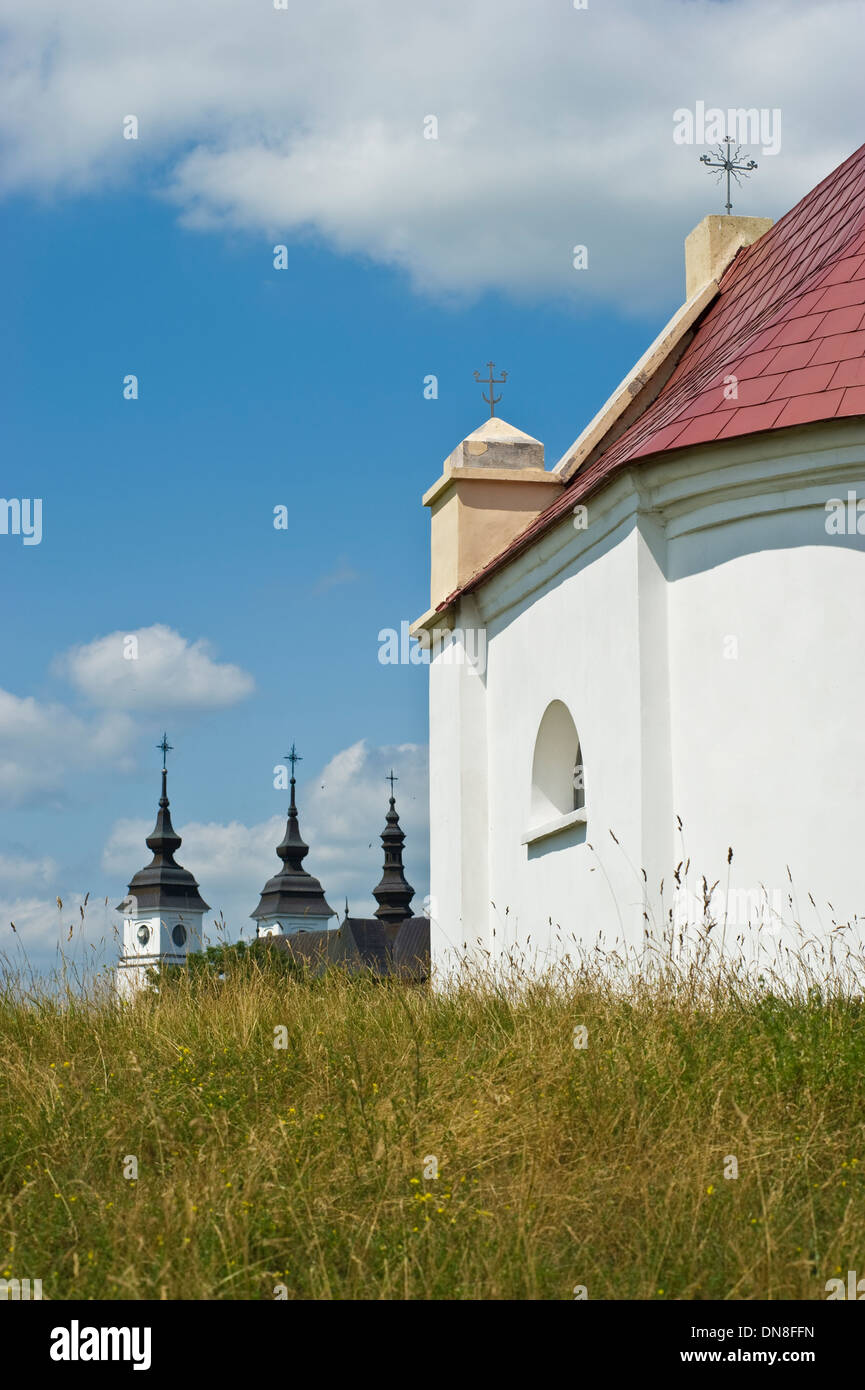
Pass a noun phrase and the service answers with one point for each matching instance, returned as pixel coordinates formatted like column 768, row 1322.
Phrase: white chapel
column 654, row 658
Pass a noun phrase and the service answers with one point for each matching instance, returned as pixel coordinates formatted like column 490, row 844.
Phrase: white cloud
column 555, row 125
column 42, row 742
column 41, row 926
column 21, row 870
column 342, row 573
column 342, row 814
column 153, row 668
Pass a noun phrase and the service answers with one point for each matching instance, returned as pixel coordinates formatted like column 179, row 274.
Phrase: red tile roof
column 788, row 323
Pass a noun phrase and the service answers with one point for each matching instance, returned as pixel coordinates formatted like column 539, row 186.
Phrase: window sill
column 554, row 827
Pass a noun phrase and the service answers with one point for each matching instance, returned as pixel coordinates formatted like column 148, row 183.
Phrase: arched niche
column 558, row 781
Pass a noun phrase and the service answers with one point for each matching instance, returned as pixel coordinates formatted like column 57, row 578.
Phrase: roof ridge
column 807, row 360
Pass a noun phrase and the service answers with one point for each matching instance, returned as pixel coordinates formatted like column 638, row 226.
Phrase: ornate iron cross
column 492, row 400
column 727, row 163
column 293, row 757
column 165, row 748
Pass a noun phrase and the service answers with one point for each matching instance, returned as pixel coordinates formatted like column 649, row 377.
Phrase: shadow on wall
column 563, row 839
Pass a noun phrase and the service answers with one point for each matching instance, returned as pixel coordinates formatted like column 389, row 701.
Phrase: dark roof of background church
column 359, row 943
column 788, row 322
column 411, row 949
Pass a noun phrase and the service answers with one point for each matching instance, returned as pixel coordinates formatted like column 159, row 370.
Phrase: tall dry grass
column 558, row 1166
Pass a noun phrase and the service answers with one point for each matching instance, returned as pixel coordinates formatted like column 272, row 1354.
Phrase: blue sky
column 303, row 386
column 257, row 388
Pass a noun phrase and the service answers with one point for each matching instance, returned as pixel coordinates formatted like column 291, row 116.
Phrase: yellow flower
column 710, row 1189
column 414, row 1180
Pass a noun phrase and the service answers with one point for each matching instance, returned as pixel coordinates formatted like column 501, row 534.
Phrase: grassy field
column 559, row 1166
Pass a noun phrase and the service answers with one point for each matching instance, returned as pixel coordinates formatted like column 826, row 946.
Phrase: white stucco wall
column 632, row 624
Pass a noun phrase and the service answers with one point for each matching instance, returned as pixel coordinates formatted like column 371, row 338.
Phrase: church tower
column 292, row 900
column 393, row 893
column 162, row 916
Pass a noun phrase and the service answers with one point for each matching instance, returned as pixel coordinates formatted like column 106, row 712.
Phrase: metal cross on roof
column 165, row 748
column 727, row 163
column 390, row 778
column 492, row 400
column 293, row 758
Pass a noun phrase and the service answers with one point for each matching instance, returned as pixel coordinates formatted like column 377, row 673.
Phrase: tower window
column 178, row 936
column 143, row 933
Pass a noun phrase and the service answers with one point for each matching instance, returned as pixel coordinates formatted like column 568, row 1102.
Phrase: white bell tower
column 163, row 914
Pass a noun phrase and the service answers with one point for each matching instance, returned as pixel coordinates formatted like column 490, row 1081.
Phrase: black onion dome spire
column 293, row 892
column 394, row 893
column 164, row 883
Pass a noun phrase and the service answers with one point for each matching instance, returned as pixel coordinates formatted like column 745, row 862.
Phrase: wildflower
column 710, row 1189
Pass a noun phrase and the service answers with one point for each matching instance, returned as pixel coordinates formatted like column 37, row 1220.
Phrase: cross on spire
column 391, row 778
column 165, row 748
column 293, row 757
column 726, row 162
column 492, row 400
